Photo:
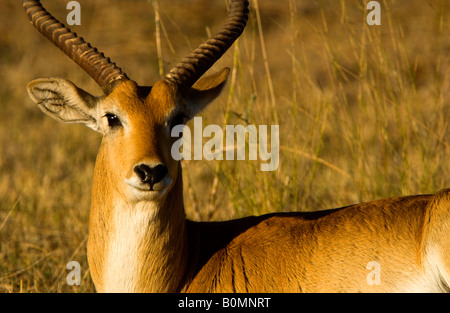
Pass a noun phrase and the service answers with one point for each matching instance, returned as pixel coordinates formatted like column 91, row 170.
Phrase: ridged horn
column 192, row 67
column 99, row 67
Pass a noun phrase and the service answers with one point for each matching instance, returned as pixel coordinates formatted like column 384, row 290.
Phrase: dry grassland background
column 363, row 111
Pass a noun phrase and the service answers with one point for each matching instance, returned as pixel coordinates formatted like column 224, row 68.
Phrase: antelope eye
column 113, row 120
column 179, row 119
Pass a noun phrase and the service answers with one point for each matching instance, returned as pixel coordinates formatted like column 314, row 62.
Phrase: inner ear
column 65, row 102
column 204, row 91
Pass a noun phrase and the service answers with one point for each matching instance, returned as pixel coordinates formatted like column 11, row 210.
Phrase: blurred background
column 363, row 111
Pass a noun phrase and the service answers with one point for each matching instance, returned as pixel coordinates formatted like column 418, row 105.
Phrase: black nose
column 151, row 175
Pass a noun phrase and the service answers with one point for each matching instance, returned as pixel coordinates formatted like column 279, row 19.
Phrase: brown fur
column 322, row 252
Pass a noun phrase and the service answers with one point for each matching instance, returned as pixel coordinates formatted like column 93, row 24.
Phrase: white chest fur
column 131, row 233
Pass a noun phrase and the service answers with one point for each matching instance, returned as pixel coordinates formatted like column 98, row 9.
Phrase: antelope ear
column 204, row 91
column 65, row 102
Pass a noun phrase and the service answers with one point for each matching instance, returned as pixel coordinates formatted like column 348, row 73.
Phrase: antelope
column 139, row 237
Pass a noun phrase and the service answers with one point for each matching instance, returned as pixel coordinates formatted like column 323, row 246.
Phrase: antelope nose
column 150, row 175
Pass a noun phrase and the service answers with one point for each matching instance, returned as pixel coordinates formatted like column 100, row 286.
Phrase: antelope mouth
column 141, row 189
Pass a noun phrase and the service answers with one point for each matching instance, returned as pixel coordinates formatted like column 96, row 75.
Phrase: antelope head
column 134, row 163
column 135, row 121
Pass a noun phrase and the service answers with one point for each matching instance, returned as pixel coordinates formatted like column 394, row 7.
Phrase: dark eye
column 179, row 119
column 113, row 120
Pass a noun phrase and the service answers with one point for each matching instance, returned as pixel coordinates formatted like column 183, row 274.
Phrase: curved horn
column 100, row 68
column 192, row 67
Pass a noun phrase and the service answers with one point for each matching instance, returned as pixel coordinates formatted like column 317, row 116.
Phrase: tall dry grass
column 363, row 112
